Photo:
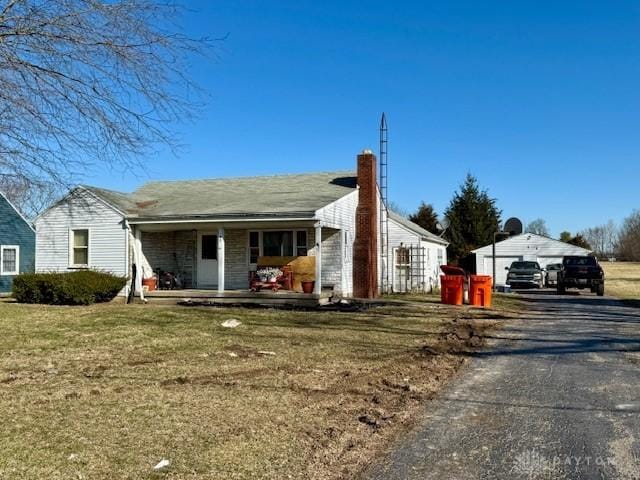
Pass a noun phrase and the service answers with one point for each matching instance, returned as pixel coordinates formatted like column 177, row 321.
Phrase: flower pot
column 150, row 283
column 307, row 287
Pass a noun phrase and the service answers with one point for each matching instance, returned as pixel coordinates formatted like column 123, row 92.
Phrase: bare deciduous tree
column 29, row 197
column 88, row 82
column 538, row 226
column 629, row 243
column 602, row 238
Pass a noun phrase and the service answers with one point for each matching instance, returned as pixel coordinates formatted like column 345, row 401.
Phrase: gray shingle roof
column 121, row 201
column 280, row 195
column 414, row 227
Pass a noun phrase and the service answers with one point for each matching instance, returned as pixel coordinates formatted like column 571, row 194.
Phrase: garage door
column 501, row 264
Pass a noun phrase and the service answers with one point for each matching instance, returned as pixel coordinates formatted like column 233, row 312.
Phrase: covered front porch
column 239, row 297
column 216, row 260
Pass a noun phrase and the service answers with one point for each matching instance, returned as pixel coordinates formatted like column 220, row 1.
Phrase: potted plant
column 308, row 284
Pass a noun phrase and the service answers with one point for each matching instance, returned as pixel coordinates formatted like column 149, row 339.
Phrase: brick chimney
column 365, row 248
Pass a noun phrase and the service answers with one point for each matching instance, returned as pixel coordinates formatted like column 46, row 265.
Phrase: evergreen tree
column 579, row 241
column 473, row 219
column 426, row 217
column 565, row 236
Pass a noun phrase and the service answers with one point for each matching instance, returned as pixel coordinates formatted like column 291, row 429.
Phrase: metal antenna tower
column 384, row 220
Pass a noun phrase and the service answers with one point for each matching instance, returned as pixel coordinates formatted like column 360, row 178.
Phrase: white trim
column 137, row 258
column 199, row 260
column 10, row 247
column 220, row 259
column 70, row 262
column 222, row 221
column 18, row 212
column 260, row 233
column 127, row 232
column 318, row 238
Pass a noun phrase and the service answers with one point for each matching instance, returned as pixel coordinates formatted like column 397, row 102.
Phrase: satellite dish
column 513, row 226
column 442, row 225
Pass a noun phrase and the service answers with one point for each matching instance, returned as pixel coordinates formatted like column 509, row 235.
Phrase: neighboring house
column 17, row 244
column 526, row 246
column 211, row 232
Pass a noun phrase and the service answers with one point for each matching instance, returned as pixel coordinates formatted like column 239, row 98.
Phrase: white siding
column 527, row 246
column 337, row 269
column 399, row 234
column 107, row 237
column 433, row 262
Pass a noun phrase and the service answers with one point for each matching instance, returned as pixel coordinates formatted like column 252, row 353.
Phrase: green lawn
column 107, row 391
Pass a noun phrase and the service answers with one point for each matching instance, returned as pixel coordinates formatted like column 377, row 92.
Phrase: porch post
column 137, row 255
column 318, row 285
column 221, row 260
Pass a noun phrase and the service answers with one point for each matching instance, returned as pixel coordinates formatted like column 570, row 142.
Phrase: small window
column 209, row 247
column 10, row 261
column 301, row 243
column 254, row 247
column 440, row 256
column 402, row 256
column 80, row 248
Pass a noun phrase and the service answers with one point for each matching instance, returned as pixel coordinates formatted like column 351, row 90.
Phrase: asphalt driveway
column 556, row 395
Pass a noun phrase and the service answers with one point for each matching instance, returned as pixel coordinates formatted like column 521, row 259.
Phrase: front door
column 207, row 260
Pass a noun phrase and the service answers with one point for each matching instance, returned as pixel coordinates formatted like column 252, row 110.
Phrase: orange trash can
column 451, row 289
column 480, row 290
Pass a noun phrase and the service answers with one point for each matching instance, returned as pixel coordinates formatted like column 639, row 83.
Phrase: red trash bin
column 451, row 289
column 480, row 290
column 452, row 285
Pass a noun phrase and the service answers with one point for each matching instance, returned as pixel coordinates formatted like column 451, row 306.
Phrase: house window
column 9, row 260
column 402, row 256
column 80, row 248
column 254, row 247
column 209, row 247
column 277, row 243
column 440, row 256
column 301, row 243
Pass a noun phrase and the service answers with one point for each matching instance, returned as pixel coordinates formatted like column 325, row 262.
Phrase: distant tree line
column 609, row 240
column 472, row 218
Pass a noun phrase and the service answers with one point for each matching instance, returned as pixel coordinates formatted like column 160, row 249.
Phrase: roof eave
column 227, row 217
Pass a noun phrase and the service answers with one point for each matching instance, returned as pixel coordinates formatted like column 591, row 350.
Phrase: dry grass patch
column 107, row 391
column 622, row 280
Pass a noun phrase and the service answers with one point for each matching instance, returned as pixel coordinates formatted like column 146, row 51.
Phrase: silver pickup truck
column 552, row 274
column 525, row 274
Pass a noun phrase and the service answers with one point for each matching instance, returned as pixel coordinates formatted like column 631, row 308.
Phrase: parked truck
column 581, row 272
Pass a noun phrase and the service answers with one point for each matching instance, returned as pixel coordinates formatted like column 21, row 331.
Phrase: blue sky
column 539, row 100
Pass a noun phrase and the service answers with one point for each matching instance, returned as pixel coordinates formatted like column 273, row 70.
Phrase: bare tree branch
column 88, row 82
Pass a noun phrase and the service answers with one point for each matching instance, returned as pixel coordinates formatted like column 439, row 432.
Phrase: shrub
column 73, row 288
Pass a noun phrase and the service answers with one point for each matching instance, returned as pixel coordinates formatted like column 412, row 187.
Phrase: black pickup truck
column 581, row 272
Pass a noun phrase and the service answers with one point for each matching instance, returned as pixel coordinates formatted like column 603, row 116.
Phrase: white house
column 413, row 247
column 526, row 246
column 212, row 232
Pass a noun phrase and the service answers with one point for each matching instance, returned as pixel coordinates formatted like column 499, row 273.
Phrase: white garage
column 526, row 246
